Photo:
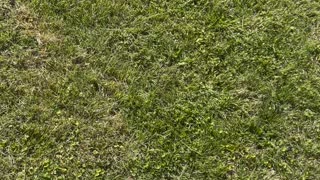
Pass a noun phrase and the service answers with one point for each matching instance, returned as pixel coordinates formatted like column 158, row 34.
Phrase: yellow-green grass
column 198, row 89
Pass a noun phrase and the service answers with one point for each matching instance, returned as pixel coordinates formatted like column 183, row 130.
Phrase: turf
column 197, row 89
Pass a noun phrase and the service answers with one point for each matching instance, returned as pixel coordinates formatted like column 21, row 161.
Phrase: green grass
column 198, row 89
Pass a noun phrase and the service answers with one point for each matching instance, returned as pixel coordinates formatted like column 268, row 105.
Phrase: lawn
column 158, row 89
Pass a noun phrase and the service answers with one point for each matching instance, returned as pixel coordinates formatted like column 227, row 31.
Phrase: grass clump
column 160, row 90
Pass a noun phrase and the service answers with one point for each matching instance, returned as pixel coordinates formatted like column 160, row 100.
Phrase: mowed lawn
column 159, row 89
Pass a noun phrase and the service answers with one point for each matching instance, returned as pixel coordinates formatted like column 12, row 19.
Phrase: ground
column 197, row 89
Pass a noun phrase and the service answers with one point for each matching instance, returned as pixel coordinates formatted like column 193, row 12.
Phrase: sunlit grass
column 225, row 89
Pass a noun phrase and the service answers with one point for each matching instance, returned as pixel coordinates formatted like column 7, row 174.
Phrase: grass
column 225, row 89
